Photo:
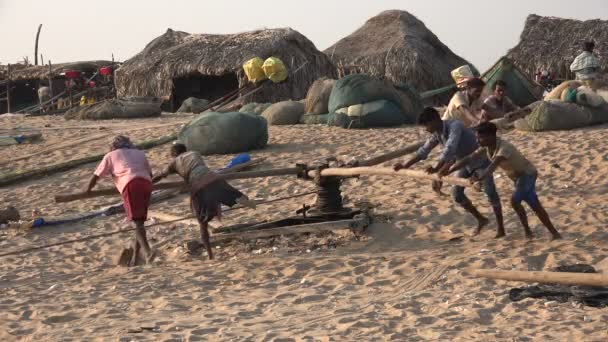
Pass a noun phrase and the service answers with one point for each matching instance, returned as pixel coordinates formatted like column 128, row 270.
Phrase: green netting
column 193, row 105
column 558, row 115
column 223, row 133
column 314, row 119
column 380, row 113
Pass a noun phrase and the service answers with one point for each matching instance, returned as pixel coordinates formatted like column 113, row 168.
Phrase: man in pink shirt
column 132, row 176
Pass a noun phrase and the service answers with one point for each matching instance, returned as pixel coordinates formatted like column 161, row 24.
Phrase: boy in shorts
column 506, row 156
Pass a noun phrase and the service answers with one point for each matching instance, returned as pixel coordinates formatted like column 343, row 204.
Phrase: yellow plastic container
column 253, row 70
column 275, row 70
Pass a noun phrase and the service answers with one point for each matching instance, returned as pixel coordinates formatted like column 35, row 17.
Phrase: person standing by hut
column 44, row 94
column 132, row 176
column 586, row 66
column 207, row 191
column 466, row 104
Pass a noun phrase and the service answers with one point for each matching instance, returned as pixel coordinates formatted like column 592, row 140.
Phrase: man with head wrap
column 132, row 176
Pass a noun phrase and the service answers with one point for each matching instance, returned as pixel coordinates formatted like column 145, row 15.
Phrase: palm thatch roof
column 41, row 72
column 399, row 46
column 178, row 54
column 550, row 43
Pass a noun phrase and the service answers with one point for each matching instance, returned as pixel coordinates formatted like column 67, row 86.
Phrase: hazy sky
column 478, row 30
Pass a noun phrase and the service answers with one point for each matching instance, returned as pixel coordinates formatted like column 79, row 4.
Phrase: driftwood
column 18, row 177
column 564, row 278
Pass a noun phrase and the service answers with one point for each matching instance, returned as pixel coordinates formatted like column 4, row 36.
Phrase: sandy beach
column 404, row 281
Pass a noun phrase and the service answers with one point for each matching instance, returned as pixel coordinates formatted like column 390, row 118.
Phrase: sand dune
column 404, row 281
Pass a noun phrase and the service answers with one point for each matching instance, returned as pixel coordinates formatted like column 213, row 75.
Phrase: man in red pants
column 132, row 176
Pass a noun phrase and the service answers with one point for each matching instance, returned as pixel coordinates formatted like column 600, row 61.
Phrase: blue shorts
column 525, row 190
column 487, row 183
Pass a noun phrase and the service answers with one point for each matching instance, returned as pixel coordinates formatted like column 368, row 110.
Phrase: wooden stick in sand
column 564, row 278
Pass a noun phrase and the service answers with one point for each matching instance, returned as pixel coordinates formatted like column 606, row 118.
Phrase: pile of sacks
column 570, row 105
column 360, row 101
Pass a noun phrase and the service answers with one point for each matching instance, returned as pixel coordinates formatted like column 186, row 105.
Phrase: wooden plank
column 299, row 229
column 564, row 278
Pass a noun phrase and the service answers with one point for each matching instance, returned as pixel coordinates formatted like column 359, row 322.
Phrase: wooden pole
column 391, row 155
column 564, row 278
column 389, row 171
column 51, row 80
column 331, row 172
column 41, row 59
column 36, row 46
column 8, row 88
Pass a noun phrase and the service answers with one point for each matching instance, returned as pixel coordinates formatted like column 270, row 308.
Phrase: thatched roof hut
column 41, row 72
column 549, row 43
column 178, row 65
column 399, row 46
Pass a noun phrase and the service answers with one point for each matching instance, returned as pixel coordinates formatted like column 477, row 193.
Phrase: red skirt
column 136, row 199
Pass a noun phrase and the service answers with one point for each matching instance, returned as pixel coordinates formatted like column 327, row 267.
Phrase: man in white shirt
column 586, row 66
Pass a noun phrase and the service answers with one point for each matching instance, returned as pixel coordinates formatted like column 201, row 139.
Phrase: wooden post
column 51, row 83
column 8, row 88
column 41, row 59
column 36, row 46
column 564, row 278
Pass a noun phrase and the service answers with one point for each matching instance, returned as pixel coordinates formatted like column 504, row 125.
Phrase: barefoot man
column 458, row 142
column 506, row 156
column 207, row 191
column 132, row 176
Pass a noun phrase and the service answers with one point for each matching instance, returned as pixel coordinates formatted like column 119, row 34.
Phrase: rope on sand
column 92, row 237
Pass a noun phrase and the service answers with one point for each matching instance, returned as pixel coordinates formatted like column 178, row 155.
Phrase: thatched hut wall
column 550, row 43
column 179, row 55
column 399, row 46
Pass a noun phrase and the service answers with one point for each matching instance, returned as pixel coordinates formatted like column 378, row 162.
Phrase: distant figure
column 586, row 66
column 44, row 94
column 207, row 191
column 498, row 104
column 503, row 154
column 132, row 176
column 465, row 105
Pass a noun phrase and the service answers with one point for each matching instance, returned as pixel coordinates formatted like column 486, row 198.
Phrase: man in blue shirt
column 458, row 142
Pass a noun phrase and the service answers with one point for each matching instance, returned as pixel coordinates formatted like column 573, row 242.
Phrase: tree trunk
column 36, row 46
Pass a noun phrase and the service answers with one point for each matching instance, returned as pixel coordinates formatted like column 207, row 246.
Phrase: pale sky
column 479, row 30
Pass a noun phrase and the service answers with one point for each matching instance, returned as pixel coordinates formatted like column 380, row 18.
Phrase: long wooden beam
column 564, row 278
column 391, row 155
column 330, row 172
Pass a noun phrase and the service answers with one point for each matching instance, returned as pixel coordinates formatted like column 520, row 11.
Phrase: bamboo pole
column 389, row 171
column 331, row 172
column 36, row 45
column 564, row 278
column 391, row 155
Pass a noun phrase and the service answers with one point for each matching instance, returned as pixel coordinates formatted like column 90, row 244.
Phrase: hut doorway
column 201, row 86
